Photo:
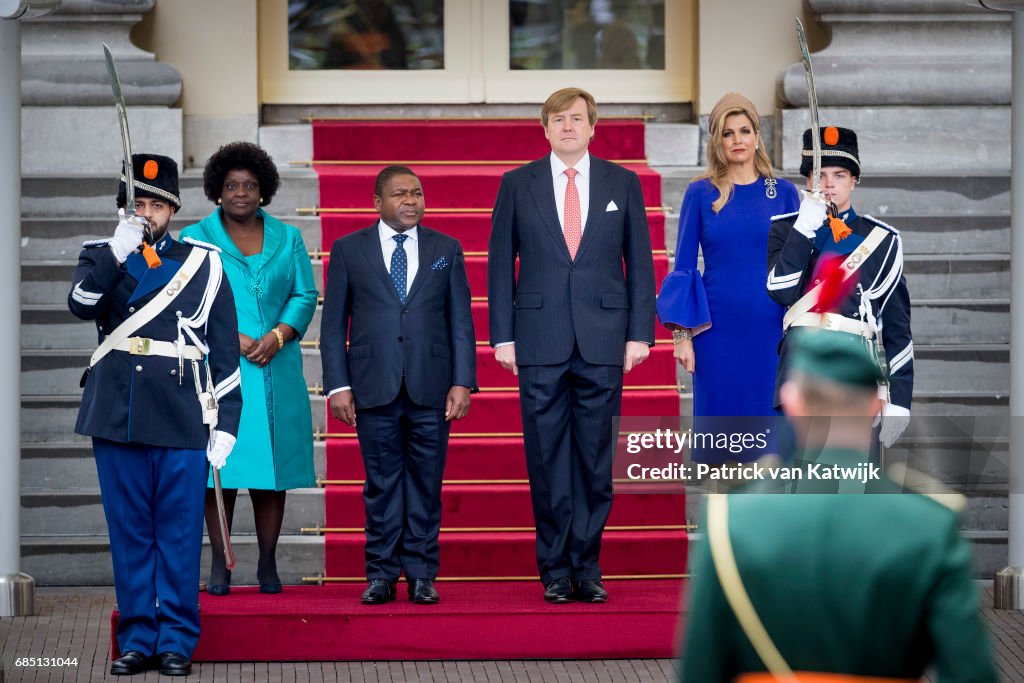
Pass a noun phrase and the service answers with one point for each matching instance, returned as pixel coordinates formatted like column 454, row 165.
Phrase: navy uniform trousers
column 154, row 496
column 404, row 445
column 568, row 412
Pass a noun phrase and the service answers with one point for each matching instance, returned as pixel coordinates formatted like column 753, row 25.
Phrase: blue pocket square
column 439, row 264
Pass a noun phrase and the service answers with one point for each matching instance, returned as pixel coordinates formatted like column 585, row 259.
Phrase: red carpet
column 499, row 554
column 476, row 273
column 487, row 620
column 469, row 506
column 471, row 229
column 487, row 519
column 516, row 141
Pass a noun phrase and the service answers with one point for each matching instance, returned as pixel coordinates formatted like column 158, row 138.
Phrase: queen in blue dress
column 726, row 330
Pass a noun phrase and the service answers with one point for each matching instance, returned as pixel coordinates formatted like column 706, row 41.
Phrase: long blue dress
column 737, row 326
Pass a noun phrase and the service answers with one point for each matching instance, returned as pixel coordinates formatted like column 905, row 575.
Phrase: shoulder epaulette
column 921, row 483
column 88, row 244
column 200, row 243
column 882, row 224
column 784, row 215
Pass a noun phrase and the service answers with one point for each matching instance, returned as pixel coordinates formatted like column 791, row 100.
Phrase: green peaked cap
column 835, row 356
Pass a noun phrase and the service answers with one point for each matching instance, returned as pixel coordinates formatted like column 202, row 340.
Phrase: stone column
column 926, row 85
column 69, row 124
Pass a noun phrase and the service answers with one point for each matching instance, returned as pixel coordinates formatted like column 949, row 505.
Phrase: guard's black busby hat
column 838, row 148
column 156, row 176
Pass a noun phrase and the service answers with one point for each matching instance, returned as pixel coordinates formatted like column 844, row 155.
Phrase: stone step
column 51, row 419
column 85, row 560
column 891, row 194
column 62, row 238
column 80, row 512
column 69, row 466
column 81, row 196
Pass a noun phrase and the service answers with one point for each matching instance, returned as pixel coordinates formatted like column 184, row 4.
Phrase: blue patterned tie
column 399, row 266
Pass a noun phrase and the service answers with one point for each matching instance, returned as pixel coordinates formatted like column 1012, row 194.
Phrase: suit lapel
column 427, row 246
column 543, row 191
column 375, row 258
column 599, row 195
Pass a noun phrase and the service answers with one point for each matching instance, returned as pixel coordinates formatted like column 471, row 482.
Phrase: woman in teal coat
column 268, row 267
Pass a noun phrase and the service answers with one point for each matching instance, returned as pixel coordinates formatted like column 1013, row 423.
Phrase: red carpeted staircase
column 491, row 606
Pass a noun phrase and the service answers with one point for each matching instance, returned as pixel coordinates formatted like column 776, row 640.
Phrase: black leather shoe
column 130, row 663
column 422, row 592
column 271, row 588
column 378, row 592
column 173, row 664
column 591, row 590
column 559, row 591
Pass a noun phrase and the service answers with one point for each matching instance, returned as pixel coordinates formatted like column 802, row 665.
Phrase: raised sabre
column 812, row 105
column 148, row 252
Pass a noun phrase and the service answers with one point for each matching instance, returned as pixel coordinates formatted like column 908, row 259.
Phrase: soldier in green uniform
column 862, row 587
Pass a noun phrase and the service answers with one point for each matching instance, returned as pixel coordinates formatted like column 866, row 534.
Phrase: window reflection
column 587, row 34
column 365, row 34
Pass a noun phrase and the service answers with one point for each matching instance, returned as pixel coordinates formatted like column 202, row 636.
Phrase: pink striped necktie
column 573, row 220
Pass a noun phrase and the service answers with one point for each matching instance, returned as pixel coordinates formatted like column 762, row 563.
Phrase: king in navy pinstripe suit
column 570, row 325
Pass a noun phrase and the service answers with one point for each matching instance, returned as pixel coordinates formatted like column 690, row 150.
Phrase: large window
column 467, row 51
column 587, row 34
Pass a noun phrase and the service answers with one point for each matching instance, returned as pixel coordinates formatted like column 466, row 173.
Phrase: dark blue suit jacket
column 139, row 399
column 429, row 340
column 556, row 301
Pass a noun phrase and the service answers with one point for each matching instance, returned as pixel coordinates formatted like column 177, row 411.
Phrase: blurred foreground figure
column 830, row 586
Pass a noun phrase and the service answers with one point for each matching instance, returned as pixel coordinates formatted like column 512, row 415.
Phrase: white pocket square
column 611, row 207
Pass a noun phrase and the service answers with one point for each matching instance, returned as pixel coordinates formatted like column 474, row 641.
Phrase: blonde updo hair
column 718, row 167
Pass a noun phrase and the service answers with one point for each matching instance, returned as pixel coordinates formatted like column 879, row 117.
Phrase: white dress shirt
column 412, row 255
column 582, row 187
column 411, row 246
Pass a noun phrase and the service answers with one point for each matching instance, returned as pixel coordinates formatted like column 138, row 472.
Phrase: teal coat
column 870, row 584
column 275, row 439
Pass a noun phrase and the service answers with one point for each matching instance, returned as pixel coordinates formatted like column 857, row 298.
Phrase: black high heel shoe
column 219, row 589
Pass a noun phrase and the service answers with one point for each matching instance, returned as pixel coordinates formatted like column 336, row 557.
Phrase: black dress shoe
column 591, row 590
column 173, row 664
column 422, row 592
column 219, row 589
column 271, row 588
column 378, row 592
column 130, row 663
column 559, row 591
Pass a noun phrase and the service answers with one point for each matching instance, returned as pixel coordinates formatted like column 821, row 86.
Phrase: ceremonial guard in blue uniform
column 877, row 305
column 161, row 399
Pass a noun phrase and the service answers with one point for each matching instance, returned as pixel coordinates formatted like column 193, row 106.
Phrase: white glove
column 127, row 236
column 894, row 420
column 219, row 449
column 812, row 214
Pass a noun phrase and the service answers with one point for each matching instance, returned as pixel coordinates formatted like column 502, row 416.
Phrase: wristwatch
column 681, row 335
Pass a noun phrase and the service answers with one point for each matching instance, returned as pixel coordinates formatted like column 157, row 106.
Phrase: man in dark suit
column 400, row 292
column 569, row 326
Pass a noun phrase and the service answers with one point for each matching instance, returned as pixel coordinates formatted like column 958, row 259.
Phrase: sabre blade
column 812, row 103
column 126, row 140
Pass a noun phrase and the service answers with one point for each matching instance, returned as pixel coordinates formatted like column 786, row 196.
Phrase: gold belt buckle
column 139, row 346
